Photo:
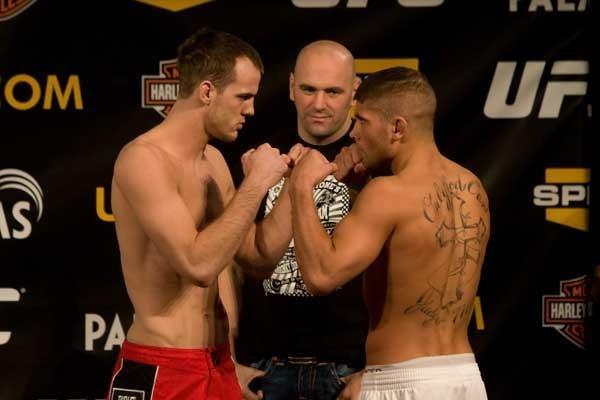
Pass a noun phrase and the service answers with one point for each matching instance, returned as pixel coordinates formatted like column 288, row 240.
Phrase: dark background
column 69, row 266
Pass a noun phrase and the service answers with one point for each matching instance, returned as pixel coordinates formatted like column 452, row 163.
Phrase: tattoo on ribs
column 449, row 207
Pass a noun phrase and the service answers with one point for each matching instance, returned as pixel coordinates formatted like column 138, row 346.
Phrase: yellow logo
column 23, row 92
column 365, row 66
column 174, row 5
column 101, row 206
column 566, row 196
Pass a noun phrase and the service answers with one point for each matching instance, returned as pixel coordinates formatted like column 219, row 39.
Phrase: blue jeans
column 300, row 378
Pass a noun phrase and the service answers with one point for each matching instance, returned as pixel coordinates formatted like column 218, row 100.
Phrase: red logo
column 160, row 91
column 12, row 8
column 568, row 311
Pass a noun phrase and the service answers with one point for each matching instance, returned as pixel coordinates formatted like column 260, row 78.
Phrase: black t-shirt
column 279, row 317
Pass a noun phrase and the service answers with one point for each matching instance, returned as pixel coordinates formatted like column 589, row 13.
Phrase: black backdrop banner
column 78, row 80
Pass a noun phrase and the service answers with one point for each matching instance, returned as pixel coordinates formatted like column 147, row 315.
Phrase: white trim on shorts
column 424, row 377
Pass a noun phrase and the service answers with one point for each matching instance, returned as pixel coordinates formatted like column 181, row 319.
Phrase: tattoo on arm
column 457, row 209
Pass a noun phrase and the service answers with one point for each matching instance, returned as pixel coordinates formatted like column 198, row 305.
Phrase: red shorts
column 158, row 373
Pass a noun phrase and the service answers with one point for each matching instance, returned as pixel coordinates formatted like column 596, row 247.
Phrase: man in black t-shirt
column 308, row 346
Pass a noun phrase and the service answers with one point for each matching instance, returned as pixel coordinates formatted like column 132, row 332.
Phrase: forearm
column 271, row 237
column 313, row 245
column 215, row 245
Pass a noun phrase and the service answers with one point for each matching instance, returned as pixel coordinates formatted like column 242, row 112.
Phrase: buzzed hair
column 329, row 45
column 400, row 90
column 211, row 55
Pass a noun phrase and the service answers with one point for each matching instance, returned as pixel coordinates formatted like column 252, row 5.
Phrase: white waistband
column 456, row 367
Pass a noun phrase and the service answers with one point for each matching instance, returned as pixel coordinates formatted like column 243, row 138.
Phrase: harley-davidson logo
column 11, row 8
column 160, row 91
column 567, row 311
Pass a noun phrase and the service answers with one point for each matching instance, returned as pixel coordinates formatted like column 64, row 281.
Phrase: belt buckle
column 294, row 360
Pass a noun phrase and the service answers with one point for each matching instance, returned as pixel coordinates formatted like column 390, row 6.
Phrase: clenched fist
column 311, row 169
column 265, row 165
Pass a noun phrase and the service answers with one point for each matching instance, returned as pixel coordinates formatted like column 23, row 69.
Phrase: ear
column 292, row 86
column 399, row 128
column 206, row 92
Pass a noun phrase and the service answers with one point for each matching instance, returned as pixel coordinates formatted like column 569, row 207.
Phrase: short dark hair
column 399, row 88
column 211, row 55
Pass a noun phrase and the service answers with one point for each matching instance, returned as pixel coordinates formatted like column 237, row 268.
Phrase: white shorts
column 453, row 377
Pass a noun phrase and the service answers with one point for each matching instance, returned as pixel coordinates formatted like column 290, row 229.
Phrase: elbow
column 319, row 285
column 257, row 268
column 202, row 275
column 204, row 282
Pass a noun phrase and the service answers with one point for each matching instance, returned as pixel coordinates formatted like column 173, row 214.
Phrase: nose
column 354, row 132
column 319, row 100
column 248, row 109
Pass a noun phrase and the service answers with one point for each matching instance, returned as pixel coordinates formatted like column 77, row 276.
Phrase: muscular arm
column 148, row 182
column 268, row 239
column 329, row 262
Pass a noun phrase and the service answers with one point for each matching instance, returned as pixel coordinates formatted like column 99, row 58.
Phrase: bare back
column 421, row 288
column 171, row 310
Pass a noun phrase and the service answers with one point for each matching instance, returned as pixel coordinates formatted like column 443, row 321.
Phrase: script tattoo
column 449, row 206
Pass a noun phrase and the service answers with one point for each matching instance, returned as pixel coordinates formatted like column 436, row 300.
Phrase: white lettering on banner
column 560, row 195
column 363, row 3
column 21, row 226
column 8, row 295
column 167, row 91
column 548, row 5
column 565, row 194
column 95, row 328
column 568, row 310
column 496, row 105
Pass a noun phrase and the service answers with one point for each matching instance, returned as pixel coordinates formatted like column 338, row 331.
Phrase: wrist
column 300, row 184
column 255, row 183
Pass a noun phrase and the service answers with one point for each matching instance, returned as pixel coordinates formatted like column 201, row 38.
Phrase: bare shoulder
column 215, row 156
column 379, row 195
column 141, row 158
column 379, row 186
column 469, row 182
column 459, row 179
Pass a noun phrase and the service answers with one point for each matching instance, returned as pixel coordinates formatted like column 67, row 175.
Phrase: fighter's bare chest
column 202, row 191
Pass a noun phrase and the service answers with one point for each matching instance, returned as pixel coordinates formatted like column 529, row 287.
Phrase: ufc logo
column 496, row 105
column 362, row 3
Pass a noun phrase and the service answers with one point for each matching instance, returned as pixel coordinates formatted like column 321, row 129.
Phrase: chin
column 320, row 132
column 230, row 137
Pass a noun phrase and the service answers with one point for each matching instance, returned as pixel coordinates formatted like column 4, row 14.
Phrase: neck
column 322, row 141
column 419, row 153
column 183, row 132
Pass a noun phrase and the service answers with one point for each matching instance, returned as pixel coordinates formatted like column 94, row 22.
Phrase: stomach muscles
column 173, row 312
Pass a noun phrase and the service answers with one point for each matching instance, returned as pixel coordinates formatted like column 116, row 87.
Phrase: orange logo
column 11, row 8
column 160, row 91
column 175, row 5
column 567, row 311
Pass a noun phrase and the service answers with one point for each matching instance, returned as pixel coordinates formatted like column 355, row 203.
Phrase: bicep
column 152, row 195
column 359, row 237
